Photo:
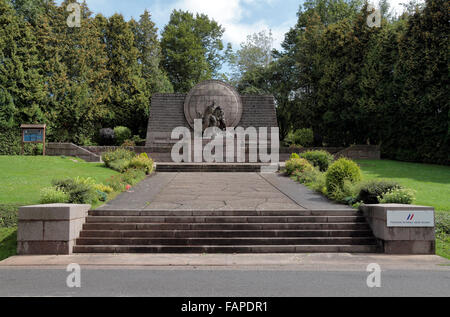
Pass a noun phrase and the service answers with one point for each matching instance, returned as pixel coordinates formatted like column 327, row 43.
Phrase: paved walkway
column 297, row 262
column 220, row 191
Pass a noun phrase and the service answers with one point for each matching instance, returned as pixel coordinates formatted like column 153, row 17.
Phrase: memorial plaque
column 413, row 218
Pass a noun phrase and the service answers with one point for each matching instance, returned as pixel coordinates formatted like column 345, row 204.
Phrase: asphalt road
column 218, row 282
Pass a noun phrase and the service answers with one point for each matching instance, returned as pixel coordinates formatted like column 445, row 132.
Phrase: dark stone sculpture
column 214, row 116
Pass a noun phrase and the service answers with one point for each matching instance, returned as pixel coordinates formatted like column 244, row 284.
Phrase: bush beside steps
column 132, row 168
column 342, row 182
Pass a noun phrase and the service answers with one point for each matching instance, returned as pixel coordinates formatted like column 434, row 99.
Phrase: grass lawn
column 23, row 177
column 432, row 182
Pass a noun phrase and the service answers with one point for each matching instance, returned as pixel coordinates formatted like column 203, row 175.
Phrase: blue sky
column 239, row 17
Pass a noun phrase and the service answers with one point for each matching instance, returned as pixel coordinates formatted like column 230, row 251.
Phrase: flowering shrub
column 298, row 165
column 398, row 196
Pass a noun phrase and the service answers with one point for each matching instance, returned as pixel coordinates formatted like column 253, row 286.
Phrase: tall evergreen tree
column 129, row 99
column 422, row 83
column 20, row 80
column 146, row 41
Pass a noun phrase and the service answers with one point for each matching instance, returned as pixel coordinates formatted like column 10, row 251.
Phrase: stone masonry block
column 50, row 229
column 53, row 212
column 399, row 240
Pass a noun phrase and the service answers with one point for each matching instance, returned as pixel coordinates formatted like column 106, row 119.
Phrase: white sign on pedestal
column 410, row 218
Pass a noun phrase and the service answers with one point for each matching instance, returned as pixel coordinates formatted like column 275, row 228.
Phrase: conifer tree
column 129, row 99
column 146, row 41
column 20, row 80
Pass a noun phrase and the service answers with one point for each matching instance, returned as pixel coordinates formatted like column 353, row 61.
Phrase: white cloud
column 395, row 5
column 232, row 15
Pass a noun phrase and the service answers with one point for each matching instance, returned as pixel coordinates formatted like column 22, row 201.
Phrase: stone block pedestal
column 50, row 229
column 408, row 237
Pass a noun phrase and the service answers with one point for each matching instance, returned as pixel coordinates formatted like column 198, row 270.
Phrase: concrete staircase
column 291, row 231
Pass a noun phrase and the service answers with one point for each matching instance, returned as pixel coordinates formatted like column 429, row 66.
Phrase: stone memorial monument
column 212, row 98
column 214, row 102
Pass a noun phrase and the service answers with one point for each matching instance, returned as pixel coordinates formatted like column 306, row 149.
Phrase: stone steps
column 225, row 231
column 224, row 219
column 227, row 249
column 229, row 241
column 222, row 213
column 226, row 226
column 222, row 233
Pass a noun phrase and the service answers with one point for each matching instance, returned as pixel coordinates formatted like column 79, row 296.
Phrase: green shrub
column 142, row 162
column 52, row 195
column 120, row 165
column 294, row 156
column 128, row 143
column 370, row 191
column 121, row 134
column 10, row 141
column 101, row 196
column 103, row 188
column 8, row 216
column 398, row 196
column 340, row 171
column 345, row 193
column 297, row 164
column 133, row 176
column 79, row 190
column 130, row 177
column 443, row 223
column 118, row 154
column 116, row 182
column 138, row 140
column 302, row 137
column 308, row 176
column 320, row 159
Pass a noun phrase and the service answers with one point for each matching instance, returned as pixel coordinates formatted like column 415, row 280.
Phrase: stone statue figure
column 214, row 116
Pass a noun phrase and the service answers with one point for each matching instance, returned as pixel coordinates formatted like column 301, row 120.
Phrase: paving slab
column 204, row 191
column 301, row 194
column 141, row 194
column 307, row 262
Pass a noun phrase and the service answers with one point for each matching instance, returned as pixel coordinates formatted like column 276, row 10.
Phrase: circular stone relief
column 217, row 92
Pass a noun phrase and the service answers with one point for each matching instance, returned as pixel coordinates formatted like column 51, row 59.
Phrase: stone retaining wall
column 163, row 153
column 70, row 149
column 50, row 229
column 400, row 240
